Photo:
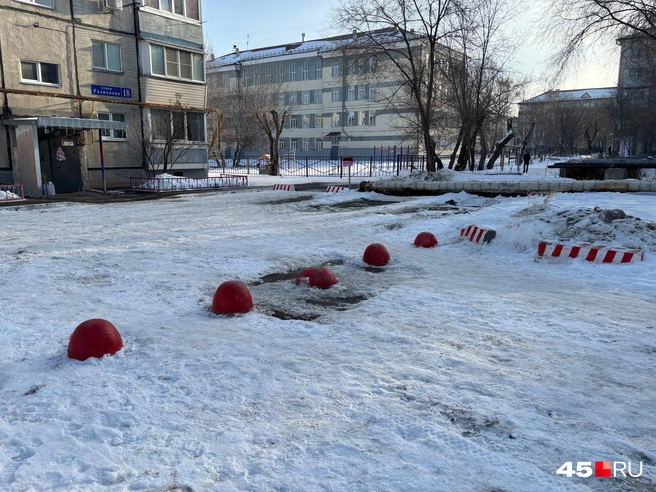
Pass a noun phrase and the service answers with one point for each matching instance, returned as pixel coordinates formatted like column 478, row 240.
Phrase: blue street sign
column 108, row 90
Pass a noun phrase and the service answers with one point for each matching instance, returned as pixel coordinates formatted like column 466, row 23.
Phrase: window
column 306, row 121
column 171, row 62
column 281, row 99
column 372, row 92
column 293, row 144
column 318, row 68
column 318, row 98
column 177, row 125
column 318, row 121
column 246, row 75
column 335, row 120
column 306, row 97
column 268, row 75
column 337, row 69
column 306, row 144
column 350, row 95
column 112, row 134
column 361, row 118
column 293, row 121
column 373, row 64
column 362, row 92
column 44, row 3
column 40, row 72
column 292, row 97
column 334, row 140
column 318, row 145
column 306, row 70
column 282, row 145
column 281, row 73
column 187, row 8
column 336, row 93
column 292, row 72
column 351, row 118
column 106, row 56
column 372, row 118
column 226, row 80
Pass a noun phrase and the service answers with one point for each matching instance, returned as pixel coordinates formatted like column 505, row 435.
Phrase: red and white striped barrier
column 478, row 234
column 336, row 189
column 284, row 187
column 590, row 252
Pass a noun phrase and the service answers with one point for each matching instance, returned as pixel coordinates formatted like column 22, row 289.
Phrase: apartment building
column 635, row 129
column 82, row 83
column 340, row 101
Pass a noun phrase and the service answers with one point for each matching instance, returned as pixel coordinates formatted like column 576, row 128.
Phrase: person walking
column 527, row 160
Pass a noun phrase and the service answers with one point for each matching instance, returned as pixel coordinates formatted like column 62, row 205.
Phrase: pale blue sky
column 254, row 24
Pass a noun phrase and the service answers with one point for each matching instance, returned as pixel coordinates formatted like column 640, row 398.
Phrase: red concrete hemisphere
column 232, row 297
column 425, row 240
column 94, row 338
column 316, row 276
column 376, row 255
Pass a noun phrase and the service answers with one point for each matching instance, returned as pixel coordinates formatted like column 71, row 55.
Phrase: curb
column 590, row 252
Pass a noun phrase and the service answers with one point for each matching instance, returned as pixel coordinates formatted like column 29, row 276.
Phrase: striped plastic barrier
column 590, row 252
column 335, row 189
column 478, row 234
column 284, row 187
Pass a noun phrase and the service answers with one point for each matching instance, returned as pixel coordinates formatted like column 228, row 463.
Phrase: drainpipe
column 137, row 33
column 5, row 109
column 75, row 72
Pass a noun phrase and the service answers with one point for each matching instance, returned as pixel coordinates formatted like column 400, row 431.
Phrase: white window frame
column 293, row 144
column 318, row 120
column 292, row 72
column 335, row 120
column 282, row 144
column 306, row 144
column 318, row 144
column 39, row 80
column 361, row 118
column 184, row 10
column 362, row 92
column 318, row 69
column 334, row 140
column 105, row 59
column 318, row 96
column 293, row 98
column 372, row 118
column 336, row 94
column 306, row 70
column 112, row 135
column 350, row 95
column 373, row 93
column 306, row 121
column 293, row 121
column 350, row 121
column 51, row 3
column 177, row 75
column 336, row 69
column 306, row 97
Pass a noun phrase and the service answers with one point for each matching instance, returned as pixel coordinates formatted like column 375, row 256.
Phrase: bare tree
column 413, row 48
column 576, row 24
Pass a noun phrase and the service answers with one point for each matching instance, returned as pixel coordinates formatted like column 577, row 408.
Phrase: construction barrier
column 596, row 253
column 336, row 189
column 284, row 187
column 478, row 234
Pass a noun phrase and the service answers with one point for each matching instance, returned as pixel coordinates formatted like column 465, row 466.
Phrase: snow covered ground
column 465, row 367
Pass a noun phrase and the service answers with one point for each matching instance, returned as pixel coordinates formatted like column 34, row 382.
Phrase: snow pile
column 8, row 195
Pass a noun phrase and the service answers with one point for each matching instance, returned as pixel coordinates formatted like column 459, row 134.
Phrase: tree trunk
column 481, row 162
column 455, row 148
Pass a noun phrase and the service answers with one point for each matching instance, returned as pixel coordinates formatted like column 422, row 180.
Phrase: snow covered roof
column 558, row 95
column 317, row 45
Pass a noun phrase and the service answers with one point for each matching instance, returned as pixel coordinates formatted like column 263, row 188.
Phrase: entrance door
column 65, row 164
column 334, row 152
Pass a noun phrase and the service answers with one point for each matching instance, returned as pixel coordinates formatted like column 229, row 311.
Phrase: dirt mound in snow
column 596, row 225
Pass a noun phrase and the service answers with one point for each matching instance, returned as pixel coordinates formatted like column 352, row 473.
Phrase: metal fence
column 11, row 192
column 323, row 166
column 171, row 184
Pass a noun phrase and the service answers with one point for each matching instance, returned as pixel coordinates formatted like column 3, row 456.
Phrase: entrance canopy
column 68, row 123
